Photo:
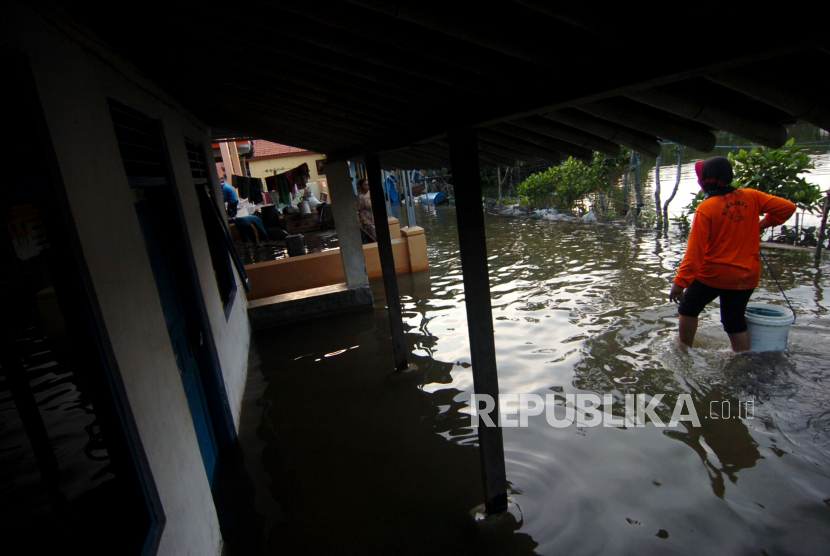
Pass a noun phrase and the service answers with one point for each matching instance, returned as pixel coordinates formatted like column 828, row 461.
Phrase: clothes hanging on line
column 242, row 186
column 287, row 183
column 255, row 187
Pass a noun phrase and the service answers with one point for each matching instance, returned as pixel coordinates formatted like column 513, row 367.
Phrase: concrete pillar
column 341, row 197
column 226, row 161
column 238, row 168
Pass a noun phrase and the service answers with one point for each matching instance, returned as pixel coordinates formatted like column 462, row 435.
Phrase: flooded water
column 346, row 456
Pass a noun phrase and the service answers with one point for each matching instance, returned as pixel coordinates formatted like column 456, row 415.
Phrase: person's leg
column 732, row 316
column 232, row 208
column 740, row 341
column 695, row 299
column 688, row 329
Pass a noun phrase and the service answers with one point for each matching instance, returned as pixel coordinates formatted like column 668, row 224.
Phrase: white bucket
column 769, row 327
column 304, row 208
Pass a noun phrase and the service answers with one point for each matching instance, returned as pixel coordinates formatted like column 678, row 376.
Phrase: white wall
column 73, row 83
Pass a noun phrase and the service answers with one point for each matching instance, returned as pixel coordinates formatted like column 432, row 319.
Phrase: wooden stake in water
column 473, row 248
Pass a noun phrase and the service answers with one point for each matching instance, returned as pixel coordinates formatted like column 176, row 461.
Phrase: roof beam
column 314, row 110
column 295, row 26
column 567, row 134
column 505, row 152
column 769, row 134
column 650, row 120
column 404, row 36
column 238, row 26
column 542, row 143
column 776, row 94
column 312, row 78
column 530, row 150
column 484, row 32
column 627, row 137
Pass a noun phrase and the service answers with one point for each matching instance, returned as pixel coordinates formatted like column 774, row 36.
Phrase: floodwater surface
column 346, row 456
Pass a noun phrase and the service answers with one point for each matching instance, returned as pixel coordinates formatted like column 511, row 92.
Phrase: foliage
column 776, row 171
column 562, row 186
column 773, row 171
column 802, row 236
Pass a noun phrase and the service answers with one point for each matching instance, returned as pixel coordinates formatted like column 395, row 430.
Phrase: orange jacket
column 725, row 240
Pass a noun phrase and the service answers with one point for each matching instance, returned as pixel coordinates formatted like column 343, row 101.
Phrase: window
column 214, row 227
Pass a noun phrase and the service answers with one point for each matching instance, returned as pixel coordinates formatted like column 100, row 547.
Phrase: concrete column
column 226, row 161
column 341, row 197
column 471, row 240
column 238, row 168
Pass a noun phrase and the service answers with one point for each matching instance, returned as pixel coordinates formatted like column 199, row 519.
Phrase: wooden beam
column 777, row 94
column 258, row 62
column 240, row 26
column 473, row 250
column 709, row 112
column 306, row 109
column 270, row 59
column 505, row 152
column 326, row 133
column 483, row 31
column 567, row 134
column 387, row 260
column 544, row 144
column 411, row 38
column 650, row 120
column 296, row 27
column 627, row 137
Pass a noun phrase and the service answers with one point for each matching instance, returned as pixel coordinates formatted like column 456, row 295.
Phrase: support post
column 821, row 236
column 387, row 260
column 226, row 162
column 345, row 220
column 471, row 238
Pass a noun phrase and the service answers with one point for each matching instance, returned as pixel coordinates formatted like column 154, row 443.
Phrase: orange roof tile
column 266, row 149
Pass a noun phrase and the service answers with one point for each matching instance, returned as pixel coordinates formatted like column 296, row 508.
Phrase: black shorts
column 732, row 305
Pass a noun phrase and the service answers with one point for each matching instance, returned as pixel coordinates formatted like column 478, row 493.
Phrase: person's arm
column 695, row 250
column 777, row 210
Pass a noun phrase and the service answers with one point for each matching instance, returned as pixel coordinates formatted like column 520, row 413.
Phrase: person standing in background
column 364, row 210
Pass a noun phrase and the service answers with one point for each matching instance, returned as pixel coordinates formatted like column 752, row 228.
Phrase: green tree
column 773, row 171
column 562, row 186
column 776, row 171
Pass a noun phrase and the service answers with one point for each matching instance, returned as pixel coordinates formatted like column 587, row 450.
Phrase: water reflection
column 577, row 309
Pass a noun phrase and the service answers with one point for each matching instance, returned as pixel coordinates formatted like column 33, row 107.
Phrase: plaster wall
column 74, row 76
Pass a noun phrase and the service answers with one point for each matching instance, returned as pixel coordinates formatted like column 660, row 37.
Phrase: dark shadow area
column 346, row 455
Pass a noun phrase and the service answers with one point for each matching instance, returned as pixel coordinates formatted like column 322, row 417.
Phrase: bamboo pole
column 674, row 191
column 657, row 192
column 819, row 246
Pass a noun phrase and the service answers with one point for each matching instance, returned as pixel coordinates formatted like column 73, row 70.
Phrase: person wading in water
column 722, row 258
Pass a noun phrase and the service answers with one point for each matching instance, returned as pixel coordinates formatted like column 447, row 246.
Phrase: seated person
column 251, row 230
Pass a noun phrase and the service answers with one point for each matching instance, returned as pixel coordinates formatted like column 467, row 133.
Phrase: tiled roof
column 264, row 149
